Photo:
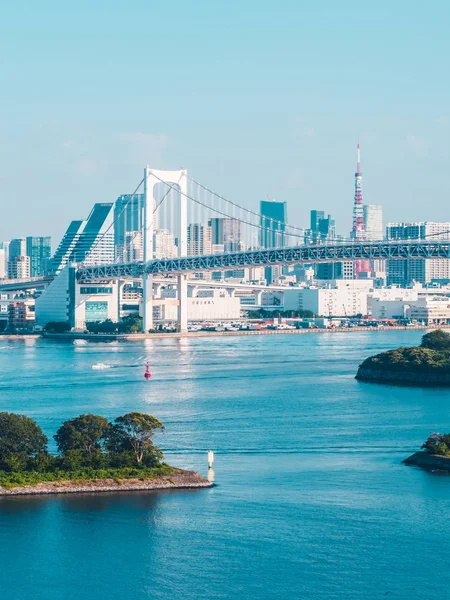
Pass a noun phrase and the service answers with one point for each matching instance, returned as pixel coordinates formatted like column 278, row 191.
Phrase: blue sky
column 251, row 97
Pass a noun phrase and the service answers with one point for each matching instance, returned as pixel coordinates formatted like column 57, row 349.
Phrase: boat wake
column 100, row 366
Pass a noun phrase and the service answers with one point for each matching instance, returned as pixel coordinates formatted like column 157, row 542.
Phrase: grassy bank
column 30, row 478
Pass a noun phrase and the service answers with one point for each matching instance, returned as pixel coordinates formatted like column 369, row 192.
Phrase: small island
column 427, row 364
column 94, row 455
column 435, row 455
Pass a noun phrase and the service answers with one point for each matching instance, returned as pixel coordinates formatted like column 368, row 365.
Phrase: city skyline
column 295, row 135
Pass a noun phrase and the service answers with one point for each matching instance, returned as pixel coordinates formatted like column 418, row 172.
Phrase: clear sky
column 252, row 97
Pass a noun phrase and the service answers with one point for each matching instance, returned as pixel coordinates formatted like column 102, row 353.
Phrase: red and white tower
column 358, row 229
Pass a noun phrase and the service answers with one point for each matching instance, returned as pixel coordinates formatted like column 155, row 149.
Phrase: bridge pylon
column 176, row 179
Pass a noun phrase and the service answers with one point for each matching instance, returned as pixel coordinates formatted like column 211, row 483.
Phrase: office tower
column 19, row 267
column 373, row 221
column 358, row 230
column 272, row 231
column 90, row 242
column 39, row 251
column 17, row 247
column 18, row 262
column 164, row 244
column 133, row 248
column 404, row 272
column 321, row 229
column 128, row 218
column 198, row 239
column 272, row 223
column 226, row 232
column 4, row 251
column 4, row 246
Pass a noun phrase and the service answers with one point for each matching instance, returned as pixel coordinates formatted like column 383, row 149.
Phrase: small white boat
column 100, row 366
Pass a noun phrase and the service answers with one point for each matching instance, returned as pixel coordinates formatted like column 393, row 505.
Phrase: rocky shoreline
column 405, row 377
column 179, row 479
column 430, row 462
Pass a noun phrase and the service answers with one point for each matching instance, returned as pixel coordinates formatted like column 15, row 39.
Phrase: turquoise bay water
column 311, row 501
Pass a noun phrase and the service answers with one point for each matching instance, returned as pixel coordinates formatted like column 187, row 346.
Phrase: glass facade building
column 90, row 241
column 39, row 250
column 273, row 223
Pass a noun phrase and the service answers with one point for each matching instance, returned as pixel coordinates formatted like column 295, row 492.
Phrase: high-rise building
column 358, row 231
column 128, row 218
column 4, row 255
column 39, row 250
column 272, row 231
column 164, row 244
column 90, row 241
column 404, row 272
column 226, row 232
column 198, row 239
column 19, row 267
column 272, row 223
column 322, row 228
column 373, row 221
column 17, row 247
column 18, row 261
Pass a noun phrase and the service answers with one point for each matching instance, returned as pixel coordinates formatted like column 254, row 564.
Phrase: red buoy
column 147, row 373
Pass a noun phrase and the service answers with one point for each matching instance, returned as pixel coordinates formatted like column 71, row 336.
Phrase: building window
column 96, row 311
column 89, row 291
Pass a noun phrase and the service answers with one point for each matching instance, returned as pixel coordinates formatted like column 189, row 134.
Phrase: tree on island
column 134, row 431
column 84, row 433
column 22, row 442
column 436, row 340
column 438, row 444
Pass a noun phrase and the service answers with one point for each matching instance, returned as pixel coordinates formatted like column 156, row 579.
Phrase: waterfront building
column 430, row 310
column 202, row 305
column 405, row 272
column 68, row 301
column 39, row 251
column 90, row 241
column 340, row 298
column 21, row 314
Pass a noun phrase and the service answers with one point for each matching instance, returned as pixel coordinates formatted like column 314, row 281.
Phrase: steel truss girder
column 295, row 255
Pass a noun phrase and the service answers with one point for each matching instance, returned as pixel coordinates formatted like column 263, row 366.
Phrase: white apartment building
column 430, row 310
column 341, row 299
column 405, row 272
column 164, row 244
column 373, row 221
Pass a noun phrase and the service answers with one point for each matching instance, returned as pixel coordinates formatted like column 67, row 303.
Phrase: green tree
column 436, row 340
column 131, row 324
column 21, row 441
column 57, row 327
column 134, row 431
column 84, row 433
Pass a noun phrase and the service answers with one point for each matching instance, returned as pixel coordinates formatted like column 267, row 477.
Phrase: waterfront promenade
column 137, row 337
